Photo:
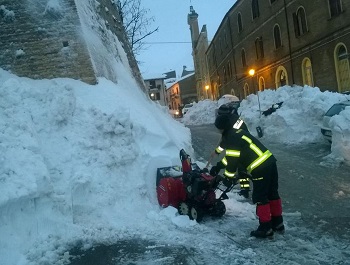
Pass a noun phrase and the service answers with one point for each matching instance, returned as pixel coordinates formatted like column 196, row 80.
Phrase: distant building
column 286, row 42
column 181, row 92
column 155, row 87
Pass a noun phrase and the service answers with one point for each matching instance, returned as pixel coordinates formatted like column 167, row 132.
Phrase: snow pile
column 75, row 157
column 297, row 121
column 202, row 112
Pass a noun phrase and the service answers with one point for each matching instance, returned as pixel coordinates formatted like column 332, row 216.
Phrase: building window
column 259, row 48
column 277, row 36
column 299, row 19
column 152, row 84
column 281, row 78
column 225, row 74
column 246, row 90
column 239, row 22
column 341, row 60
column 255, row 9
column 307, row 72
column 244, row 61
column 229, row 70
column 261, row 84
column 334, row 7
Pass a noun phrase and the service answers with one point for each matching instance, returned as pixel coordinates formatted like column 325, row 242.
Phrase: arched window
column 281, row 78
column 246, row 90
column 300, row 25
column 277, row 36
column 261, row 84
column 255, row 9
column 341, row 60
column 259, row 48
column 306, row 68
column 335, row 7
column 244, row 61
column 239, row 22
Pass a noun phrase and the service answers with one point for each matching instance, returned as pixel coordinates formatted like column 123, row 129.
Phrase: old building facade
column 44, row 39
column 199, row 47
column 286, row 42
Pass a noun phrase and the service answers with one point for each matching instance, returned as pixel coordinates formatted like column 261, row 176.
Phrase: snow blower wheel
column 196, row 214
column 183, row 208
column 219, row 209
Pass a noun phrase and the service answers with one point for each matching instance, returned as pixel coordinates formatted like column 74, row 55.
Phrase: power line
column 168, row 42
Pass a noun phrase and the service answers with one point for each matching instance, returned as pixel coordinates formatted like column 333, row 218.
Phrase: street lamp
column 252, row 73
column 258, row 129
column 206, row 89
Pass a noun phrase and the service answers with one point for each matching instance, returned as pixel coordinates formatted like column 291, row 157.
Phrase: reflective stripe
column 224, row 161
column 229, row 174
column 262, row 156
column 261, row 178
column 247, row 139
column 257, row 162
column 234, row 153
column 241, row 180
column 244, row 185
column 238, row 124
column 219, row 149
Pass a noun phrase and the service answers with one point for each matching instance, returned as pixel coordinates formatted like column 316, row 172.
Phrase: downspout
column 289, row 43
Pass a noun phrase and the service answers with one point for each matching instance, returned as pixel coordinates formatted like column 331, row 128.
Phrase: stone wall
column 41, row 41
column 46, row 39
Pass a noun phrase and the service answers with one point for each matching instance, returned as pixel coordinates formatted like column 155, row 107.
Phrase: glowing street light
column 252, row 73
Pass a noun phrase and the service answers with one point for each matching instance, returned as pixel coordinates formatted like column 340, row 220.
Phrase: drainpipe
column 289, row 43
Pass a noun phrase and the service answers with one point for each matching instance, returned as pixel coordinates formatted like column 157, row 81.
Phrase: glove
column 214, row 170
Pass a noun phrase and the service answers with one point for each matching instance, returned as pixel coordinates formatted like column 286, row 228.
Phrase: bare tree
column 136, row 22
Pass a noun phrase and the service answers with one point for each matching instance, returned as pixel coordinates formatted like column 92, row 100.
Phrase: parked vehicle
column 334, row 110
column 186, row 108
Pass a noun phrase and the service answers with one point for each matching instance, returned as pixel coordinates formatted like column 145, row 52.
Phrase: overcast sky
column 163, row 53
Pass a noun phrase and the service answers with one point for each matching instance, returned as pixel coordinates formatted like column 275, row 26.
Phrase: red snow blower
column 191, row 190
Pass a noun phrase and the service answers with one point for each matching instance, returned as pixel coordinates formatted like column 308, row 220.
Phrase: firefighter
column 244, row 183
column 244, row 150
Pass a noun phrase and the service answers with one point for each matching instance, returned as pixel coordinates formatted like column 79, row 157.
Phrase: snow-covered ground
column 78, row 162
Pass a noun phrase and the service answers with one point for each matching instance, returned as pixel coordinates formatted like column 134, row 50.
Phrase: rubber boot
column 265, row 225
column 277, row 224
column 264, row 230
column 276, row 216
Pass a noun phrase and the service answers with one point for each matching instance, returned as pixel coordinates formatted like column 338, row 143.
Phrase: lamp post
column 252, row 73
column 258, row 129
column 206, row 89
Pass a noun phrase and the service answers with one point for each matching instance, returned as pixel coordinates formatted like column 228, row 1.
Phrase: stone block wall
column 42, row 41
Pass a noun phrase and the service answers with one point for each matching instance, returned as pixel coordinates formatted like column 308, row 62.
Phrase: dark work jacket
column 244, row 146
